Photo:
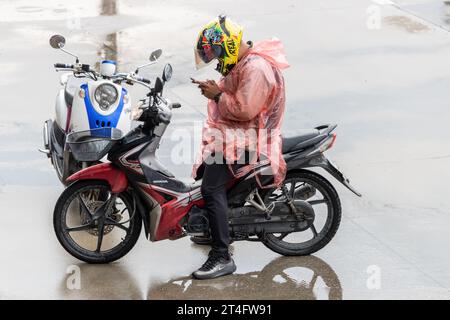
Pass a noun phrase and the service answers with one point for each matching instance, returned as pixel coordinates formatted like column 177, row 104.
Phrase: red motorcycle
column 99, row 217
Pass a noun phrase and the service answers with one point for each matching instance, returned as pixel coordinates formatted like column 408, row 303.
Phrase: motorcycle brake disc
column 93, row 206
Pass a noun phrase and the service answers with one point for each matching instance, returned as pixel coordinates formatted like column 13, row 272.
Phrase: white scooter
column 87, row 100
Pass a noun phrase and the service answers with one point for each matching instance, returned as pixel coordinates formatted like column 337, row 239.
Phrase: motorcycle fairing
column 97, row 120
column 172, row 212
column 103, row 171
column 166, row 199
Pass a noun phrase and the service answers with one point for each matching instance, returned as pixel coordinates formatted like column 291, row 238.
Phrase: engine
column 247, row 220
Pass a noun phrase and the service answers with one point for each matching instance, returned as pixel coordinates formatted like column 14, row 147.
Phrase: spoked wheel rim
column 323, row 219
column 96, row 222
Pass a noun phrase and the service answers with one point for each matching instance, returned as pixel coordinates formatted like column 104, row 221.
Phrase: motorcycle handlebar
column 78, row 67
column 63, row 65
column 142, row 79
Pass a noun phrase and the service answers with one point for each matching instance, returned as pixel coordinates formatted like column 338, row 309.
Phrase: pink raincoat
column 250, row 111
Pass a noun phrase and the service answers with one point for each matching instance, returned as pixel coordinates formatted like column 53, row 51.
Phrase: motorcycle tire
column 289, row 249
column 70, row 245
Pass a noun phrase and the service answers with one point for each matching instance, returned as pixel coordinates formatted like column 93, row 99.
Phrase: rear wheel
column 93, row 224
column 321, row 195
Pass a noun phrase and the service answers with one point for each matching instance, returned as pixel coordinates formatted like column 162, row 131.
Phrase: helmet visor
column 199, row 62
column 205, row 53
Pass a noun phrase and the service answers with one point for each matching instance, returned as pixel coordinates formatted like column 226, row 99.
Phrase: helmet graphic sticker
column 220, row 39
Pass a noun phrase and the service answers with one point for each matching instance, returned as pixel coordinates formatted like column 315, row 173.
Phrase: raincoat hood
column 273, row 51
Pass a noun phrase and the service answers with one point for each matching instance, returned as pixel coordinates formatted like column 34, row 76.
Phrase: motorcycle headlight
column 105, row 95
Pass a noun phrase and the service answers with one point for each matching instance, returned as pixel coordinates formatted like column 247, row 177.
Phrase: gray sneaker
column 216, row 266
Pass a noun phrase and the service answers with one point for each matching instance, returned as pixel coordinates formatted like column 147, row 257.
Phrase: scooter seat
column 300, row 141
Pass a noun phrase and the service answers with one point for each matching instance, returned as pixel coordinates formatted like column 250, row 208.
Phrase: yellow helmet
column 219, row 39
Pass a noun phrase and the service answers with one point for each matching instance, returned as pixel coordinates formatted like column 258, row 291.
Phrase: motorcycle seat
column 300, row 141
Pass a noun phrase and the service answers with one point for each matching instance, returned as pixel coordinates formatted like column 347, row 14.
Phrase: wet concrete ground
column 386, row 87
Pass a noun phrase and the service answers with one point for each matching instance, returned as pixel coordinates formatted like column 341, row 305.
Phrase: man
column 249, row 96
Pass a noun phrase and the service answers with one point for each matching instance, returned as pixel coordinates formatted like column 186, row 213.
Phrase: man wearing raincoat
column 245, row 111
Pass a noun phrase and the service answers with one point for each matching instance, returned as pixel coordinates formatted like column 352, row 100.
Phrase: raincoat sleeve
column 254, row 87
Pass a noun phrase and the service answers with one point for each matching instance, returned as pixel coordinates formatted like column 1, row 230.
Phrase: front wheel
column 321, row 195
column 95, row 225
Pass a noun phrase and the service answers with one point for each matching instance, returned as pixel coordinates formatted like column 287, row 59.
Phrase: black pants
column 214, row 192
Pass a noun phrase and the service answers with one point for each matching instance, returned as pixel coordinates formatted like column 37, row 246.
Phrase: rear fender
column 322, row 162
column 116, row 179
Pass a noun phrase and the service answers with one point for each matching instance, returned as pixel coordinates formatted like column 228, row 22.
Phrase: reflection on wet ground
column 436, row 12
column 100, row 282
column 387, row 89
column 447, row 12
column 295, row 278
column 406, row 23
column 109, row 50
column 108, row 8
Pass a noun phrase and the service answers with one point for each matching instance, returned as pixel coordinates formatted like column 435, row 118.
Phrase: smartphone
column 197, row 81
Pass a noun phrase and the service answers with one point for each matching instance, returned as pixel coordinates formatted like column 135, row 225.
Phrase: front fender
column 104, row 171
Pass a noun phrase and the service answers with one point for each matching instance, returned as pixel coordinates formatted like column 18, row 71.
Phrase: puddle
column 406, row 23
column 447, row 12
column 108, row 8
column 433, row 11
column 109, row 48
column 305, row 278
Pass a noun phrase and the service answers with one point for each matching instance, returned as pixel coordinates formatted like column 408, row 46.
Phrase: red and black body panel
column 163, row 200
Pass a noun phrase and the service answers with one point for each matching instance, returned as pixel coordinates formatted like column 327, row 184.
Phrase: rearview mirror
column 57, row 41
column 155, row 55
column 167, row 73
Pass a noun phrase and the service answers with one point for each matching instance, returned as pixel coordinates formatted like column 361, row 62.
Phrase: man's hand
column 209, row 89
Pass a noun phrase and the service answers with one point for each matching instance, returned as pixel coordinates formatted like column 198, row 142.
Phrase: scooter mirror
column 167, row 73
column 155, row 55
column 57, row 41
